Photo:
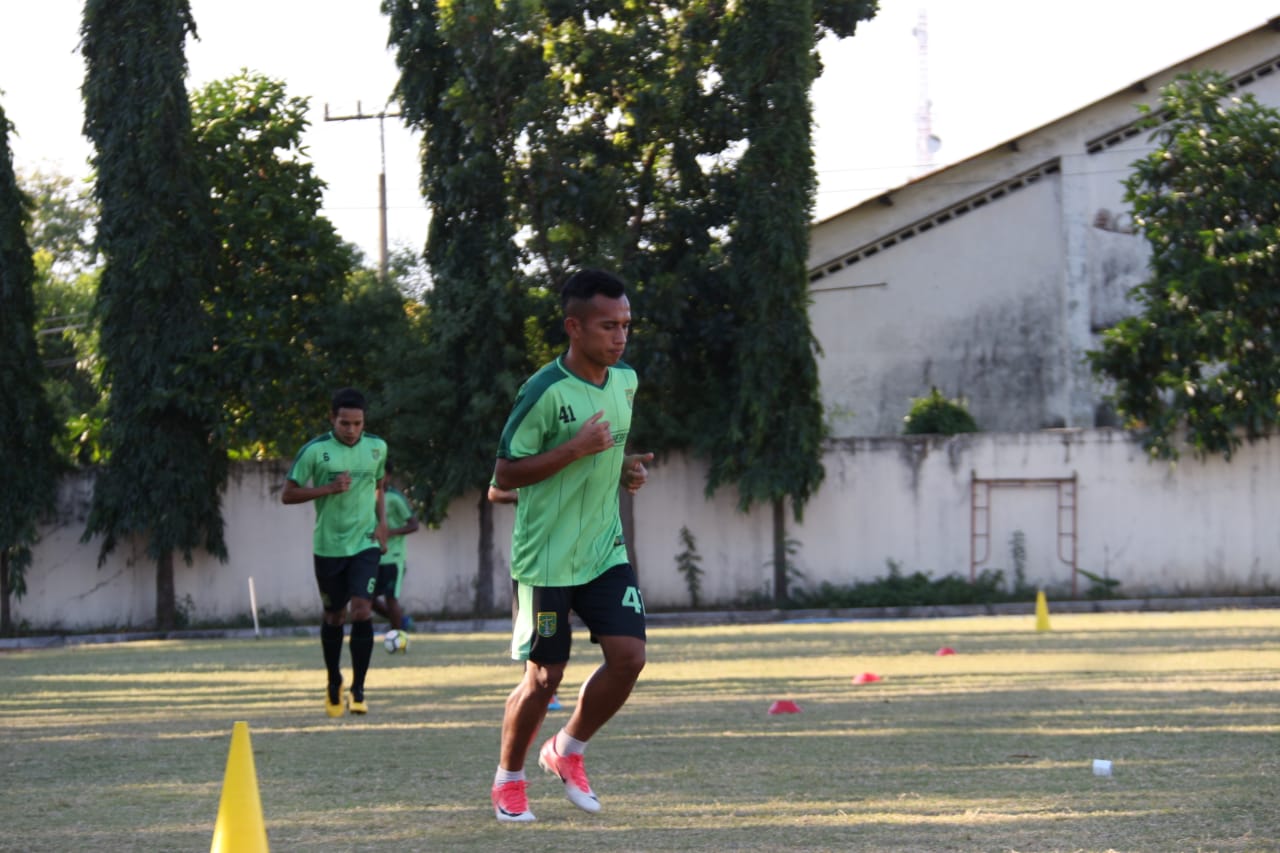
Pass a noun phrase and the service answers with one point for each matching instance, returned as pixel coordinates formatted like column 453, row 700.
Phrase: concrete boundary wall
column 917, row 503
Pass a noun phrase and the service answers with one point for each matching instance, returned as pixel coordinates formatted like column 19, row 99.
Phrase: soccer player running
column 563, row 447
column 401, row 521
column 344, row 472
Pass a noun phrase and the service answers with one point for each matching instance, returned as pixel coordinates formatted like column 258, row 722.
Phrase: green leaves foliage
column 1202, row 355
column 466, row 74
column 934, row 414
column 28, row 429
column 67, row 264
column 634, row 136
column 165, row 469
column 277, row 304
column 774, row 418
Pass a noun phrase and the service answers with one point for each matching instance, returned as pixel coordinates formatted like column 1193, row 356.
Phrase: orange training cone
column 866, row 678
column 784, row 706
column 240, row 828
column 1042, row 611
column 944, row 651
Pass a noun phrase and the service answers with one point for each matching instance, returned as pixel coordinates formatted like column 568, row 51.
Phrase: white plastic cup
column 1101, row 767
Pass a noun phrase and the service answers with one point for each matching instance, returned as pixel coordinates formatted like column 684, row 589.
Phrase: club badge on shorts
column 547, row 624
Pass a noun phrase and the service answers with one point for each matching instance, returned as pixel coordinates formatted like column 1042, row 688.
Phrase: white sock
column 504, row 776
column 566, row 745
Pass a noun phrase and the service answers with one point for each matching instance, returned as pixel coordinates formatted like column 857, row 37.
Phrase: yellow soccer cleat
column 332, row 708
column 356, row 706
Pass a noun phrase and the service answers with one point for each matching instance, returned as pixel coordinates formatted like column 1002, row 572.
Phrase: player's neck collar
column 564, row 365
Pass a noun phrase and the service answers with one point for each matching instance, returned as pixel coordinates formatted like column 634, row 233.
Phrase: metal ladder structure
column 980, row 489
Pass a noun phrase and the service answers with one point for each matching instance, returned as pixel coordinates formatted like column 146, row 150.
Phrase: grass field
column 123, row 747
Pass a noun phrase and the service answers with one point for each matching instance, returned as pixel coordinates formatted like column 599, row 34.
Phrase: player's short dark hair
column 347, row 398
column 586, row 283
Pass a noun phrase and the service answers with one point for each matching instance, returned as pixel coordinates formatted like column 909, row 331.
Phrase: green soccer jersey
column 345, row 522
column 398, row 514
column 567, row 529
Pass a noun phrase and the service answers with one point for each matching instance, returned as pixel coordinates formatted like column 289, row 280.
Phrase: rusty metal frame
column 980, row 489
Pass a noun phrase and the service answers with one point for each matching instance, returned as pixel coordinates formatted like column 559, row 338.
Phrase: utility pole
column 360, row 115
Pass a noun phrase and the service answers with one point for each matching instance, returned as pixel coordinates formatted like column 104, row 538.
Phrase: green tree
column 1202, row 354
column 606, row 134
column 625, row 166
column 27, row 433
column 61, row 232
column 165, row 470
column 377, row 352
column 282, row 268
column 62, row 222
column 465, row 74
column 773, row 435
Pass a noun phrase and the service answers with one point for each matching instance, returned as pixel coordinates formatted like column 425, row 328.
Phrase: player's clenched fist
column 595, row 435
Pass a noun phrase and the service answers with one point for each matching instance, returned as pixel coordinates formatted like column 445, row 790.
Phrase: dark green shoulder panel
column 530, row 393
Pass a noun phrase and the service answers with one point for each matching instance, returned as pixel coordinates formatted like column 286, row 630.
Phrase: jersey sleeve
column 398, row 510
column 303, row 464
column 529, row 426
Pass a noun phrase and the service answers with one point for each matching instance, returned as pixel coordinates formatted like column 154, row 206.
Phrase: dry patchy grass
column 123, row 747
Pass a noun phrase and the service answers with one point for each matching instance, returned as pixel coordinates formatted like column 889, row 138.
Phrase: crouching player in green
column 563, row 448
column 343, row 471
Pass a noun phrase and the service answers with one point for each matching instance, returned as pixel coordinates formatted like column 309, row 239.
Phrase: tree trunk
column 627, row 507
column 484, row 576
column 780, row 567
column 6, row 623
column 166, row 600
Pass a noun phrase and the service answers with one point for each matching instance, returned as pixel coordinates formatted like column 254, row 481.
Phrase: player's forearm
column 295, row 494
column 512, row 474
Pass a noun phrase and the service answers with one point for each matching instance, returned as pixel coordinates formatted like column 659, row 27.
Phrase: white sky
column 995, row 68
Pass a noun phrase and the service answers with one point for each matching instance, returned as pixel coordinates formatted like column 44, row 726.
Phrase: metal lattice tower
column 926, row 142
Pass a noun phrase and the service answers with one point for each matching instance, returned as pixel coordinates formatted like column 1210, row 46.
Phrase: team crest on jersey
column 546, row 624
column 376, row 453
column 631, row 397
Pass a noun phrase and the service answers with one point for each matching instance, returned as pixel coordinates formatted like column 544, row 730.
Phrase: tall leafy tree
column 28, row 429
column 465, row 75
column 163, row 478
column 772, row 446
column 282, row 269
column 625, row 167
column 607, row 133
column 1201, row 357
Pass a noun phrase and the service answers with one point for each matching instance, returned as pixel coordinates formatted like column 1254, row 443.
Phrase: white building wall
column 999, row 305
column 971, row 306
column 1200, row 526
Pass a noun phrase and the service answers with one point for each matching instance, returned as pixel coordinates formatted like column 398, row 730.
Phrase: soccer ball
column 395, row 641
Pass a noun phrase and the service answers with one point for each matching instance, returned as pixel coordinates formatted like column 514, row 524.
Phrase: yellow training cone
column 1042, row 612
column 240, row 828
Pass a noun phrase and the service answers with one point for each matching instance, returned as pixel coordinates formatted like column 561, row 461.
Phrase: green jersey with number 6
column 567, row 529
column 345, row 521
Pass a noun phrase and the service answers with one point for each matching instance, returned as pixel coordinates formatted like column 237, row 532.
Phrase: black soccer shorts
column 610, row 606
column 341, row 579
